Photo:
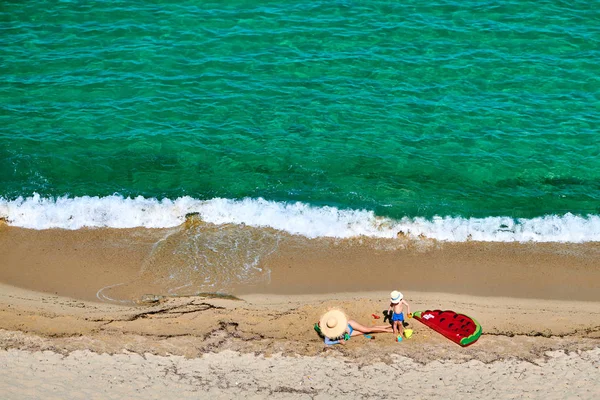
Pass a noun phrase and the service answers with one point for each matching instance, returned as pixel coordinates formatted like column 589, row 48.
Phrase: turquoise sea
column 324, row 118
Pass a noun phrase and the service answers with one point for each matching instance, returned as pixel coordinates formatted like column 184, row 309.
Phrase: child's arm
column 407, row 309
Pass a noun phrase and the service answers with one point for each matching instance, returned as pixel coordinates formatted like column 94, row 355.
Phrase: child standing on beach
column 397, row 303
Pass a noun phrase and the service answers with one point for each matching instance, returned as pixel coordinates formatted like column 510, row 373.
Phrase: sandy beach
column 58, row 339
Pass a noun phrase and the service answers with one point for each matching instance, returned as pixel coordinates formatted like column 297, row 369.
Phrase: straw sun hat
column 333, row 323
column 396, row 297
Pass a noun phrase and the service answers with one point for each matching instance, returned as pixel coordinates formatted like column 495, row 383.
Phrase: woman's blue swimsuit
column 329, row 342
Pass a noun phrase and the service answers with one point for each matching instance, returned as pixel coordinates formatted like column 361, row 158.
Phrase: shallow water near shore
column 387, row 144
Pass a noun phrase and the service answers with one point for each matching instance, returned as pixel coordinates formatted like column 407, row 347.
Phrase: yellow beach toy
column 408, row 333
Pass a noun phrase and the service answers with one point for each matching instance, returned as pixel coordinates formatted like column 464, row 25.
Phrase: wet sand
column 125, row 264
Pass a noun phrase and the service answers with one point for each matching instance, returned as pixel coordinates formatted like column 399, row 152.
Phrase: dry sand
column 264, row 346
column 228, row 375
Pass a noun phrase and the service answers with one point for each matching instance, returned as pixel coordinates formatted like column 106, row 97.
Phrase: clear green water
column 412, row 108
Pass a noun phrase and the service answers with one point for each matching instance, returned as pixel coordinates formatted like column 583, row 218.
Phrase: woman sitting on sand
column 335, row 327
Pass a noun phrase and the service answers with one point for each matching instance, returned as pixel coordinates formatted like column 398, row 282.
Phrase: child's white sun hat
column 396, row 297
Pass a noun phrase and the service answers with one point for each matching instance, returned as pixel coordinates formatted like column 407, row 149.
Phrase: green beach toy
column 318, row 329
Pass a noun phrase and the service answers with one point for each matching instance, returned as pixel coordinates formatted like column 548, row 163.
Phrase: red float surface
column 459, row 328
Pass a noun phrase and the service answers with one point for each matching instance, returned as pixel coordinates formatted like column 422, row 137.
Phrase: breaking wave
column 115, row 211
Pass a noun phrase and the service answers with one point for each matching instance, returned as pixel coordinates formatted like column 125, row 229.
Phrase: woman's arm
column 330, row 342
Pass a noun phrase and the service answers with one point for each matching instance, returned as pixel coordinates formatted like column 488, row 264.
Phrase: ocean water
column 455, row 120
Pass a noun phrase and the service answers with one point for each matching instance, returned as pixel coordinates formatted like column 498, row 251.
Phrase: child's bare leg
column 395, row 328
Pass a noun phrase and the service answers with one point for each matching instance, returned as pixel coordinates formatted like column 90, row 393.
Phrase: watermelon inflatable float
column 459, row 328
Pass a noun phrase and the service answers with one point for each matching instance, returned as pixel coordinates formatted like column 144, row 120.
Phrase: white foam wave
column 296, row 218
